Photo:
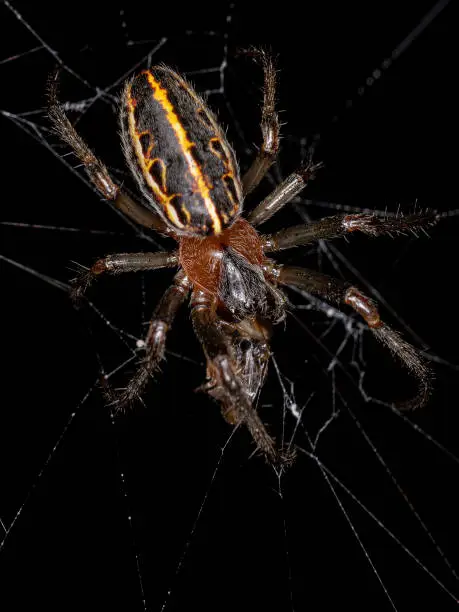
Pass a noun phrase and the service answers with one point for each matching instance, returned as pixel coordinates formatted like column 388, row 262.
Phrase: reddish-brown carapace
column 201, row 258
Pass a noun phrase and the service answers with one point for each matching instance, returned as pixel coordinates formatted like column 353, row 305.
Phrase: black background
column 114, row 505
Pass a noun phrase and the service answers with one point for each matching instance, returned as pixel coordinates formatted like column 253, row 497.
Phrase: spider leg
column 341, row 225
column 338, row 292
column 155, row 342
column 283, row 193
column 122, row 262
column 224, row 382
column 269, row 124
column 95, row 169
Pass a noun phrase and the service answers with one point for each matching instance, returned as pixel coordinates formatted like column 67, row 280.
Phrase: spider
column 192, row 192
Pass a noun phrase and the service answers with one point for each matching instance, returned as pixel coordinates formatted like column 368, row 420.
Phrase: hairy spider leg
column 269, row 124
column 155, row 343
column 283, row 193
column 341, row 225
column 120, row 263
column 339, row 292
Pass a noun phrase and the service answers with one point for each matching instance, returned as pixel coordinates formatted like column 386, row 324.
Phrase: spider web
column 165, row 508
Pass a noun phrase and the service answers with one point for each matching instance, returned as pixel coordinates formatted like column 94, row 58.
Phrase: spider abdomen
column 179, row 154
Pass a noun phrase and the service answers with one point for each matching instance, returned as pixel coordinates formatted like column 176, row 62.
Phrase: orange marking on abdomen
column 200, row 183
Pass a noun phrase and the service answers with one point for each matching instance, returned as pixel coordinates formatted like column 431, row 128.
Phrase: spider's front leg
column 338, row 292
column 223, row 377
column 120, row 263
column 155, row 342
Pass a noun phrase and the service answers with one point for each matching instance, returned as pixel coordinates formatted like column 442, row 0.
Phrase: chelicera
column 193, row 193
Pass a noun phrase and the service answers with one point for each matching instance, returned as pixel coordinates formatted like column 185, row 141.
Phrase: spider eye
column 179, row 154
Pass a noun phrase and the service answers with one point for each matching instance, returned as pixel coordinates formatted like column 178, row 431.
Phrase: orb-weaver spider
column 193, row 193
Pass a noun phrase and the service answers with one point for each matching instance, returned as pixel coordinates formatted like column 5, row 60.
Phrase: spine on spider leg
column 341, row 225
column 373, row 225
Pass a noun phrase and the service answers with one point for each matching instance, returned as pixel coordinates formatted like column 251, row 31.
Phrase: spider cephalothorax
column 188, row 175
column 230, row 267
